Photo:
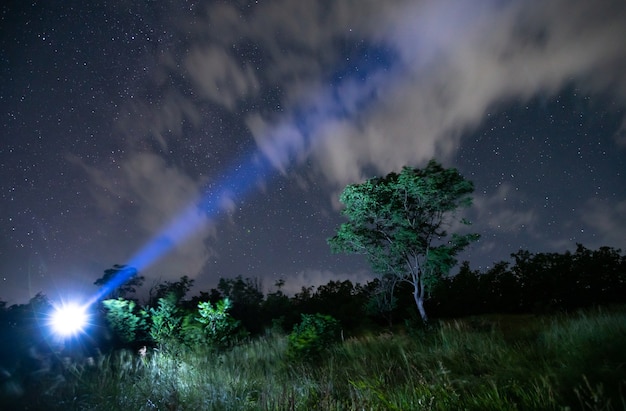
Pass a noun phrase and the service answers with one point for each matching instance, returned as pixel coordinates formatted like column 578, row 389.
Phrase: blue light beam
column 365, row 68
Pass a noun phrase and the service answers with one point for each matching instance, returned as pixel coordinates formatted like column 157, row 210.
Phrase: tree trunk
column 419, row 301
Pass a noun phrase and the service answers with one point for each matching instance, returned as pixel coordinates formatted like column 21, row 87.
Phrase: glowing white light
column 69, row 319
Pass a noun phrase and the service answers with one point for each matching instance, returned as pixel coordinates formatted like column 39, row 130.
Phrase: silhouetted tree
column 177, row 289
column 277, row 308
column 246, row 296
column 343, row 301
column 503, row 289
column 546, row 280
column 303, row 301
column 382, row 299
column 458, row 294
column 601, row 275
column 122, row 279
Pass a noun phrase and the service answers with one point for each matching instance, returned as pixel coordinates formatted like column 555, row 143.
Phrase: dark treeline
column 257, row 312
column 535, row 283
column 530, row 283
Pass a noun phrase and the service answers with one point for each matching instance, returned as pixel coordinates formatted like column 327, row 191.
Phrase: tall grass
column 573, row 362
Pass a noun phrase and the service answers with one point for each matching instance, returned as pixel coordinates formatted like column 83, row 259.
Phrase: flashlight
column 69, row 319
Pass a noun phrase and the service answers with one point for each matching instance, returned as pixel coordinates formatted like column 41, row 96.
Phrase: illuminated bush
column 219, row 327
column 312, row 335
column 165, row 324
column 124, row 320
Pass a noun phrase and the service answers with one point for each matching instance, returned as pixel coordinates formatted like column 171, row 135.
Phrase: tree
column 399, row 222
column 168, row 289
column 277, row 309
column 382, row 300
column 246, row 296
column 343, row 301
column 314, row 334
column 122, row 279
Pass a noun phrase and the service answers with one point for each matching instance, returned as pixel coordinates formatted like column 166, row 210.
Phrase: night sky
column 212, row 138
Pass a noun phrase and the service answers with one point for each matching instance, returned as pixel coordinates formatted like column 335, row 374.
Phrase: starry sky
column 212, row 138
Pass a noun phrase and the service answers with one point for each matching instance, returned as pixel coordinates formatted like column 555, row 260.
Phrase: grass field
column 575, row 362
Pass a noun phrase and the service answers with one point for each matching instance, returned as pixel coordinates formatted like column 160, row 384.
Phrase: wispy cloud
column 503, row 211
column 606, row 221
column 459, row 61
column 218, row 76
column 450, row 64
column 620, row 135
column 454, row 61
column 149, row 192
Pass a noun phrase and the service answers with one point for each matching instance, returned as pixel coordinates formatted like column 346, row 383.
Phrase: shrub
column 312, row 335
column 220, row 328
column 125, row 322
column 165, row 321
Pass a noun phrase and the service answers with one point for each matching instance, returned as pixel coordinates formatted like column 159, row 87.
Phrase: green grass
column 575, row 362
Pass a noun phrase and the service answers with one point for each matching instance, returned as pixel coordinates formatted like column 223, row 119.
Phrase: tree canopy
column 125, row 281
column 400, row 223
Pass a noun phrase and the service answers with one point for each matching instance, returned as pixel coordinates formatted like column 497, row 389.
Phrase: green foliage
column 167, row 325
column 399, row 222
column 219, row 327
column 312, row 335
column 555, row 363
column 165, row 321
column 192, row 331
column 126, row 321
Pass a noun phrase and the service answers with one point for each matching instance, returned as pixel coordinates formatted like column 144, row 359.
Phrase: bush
column 165, row 321
column 312, row 335
column 125, row 320
column 219, row 327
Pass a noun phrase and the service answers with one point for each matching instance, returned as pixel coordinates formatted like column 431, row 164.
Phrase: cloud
column 218, row 76
column 144, row 123
column 459, row 60
column 278, row 143
column 450, row 63
column 453, row 63
column 620, row 135
column 148, row 192
column 607, row 221
column 502, row 211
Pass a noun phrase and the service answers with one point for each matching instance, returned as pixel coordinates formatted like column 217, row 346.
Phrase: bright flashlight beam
column 330, row 103
column 236, row 184
column 69, row 319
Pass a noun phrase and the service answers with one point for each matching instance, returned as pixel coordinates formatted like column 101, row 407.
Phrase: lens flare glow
column 69, row 319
